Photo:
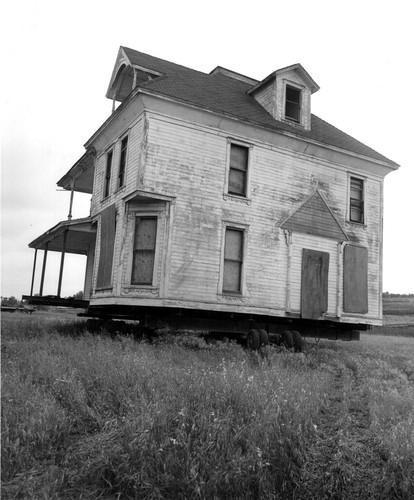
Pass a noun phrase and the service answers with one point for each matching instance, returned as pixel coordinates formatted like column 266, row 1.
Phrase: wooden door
column 314, row 286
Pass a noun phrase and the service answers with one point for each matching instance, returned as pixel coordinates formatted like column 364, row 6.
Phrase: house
column 221, row 200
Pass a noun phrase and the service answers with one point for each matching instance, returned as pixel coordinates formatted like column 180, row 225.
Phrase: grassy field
column 89, row 416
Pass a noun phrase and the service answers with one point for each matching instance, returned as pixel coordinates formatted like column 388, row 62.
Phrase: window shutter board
column 355, row 279
column 314, row 286
column 104, row 278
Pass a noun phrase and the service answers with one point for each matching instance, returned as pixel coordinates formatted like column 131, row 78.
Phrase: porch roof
column 80, row 176
column 80, row 234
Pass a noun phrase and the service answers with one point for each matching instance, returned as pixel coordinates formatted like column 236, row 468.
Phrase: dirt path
column 344, row 462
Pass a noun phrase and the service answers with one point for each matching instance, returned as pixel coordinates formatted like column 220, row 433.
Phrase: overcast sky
column 59, row 56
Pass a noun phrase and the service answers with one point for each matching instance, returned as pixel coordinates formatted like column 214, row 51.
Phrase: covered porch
column 77, row 236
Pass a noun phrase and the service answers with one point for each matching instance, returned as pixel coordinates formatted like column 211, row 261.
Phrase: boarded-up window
column 356, row 200
column 239, row 157
column 314, row 286
column 106, row 254
column 355, row 279
column 292, row 103
column 233, row 260
column 122, row 162
column 108, row 173
column 144, row 250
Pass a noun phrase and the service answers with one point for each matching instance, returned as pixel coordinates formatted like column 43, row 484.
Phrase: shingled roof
column 223, row 94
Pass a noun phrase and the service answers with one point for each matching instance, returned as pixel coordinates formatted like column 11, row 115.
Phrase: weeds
column 98, row 416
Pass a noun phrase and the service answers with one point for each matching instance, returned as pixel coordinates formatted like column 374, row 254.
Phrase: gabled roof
column 224, row 93
column 313, row 86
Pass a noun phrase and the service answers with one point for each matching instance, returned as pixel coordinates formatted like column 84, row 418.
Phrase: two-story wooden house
column 221, row 201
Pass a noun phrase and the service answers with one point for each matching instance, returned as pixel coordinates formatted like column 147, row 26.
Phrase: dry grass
column 87, row 416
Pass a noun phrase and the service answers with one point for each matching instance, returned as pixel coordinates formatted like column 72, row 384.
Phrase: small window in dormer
column 292, row 104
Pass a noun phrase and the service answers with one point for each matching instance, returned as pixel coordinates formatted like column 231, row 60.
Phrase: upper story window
column 292, row 103
column 108, row 171
column 233, row 260
column 356, row 200
column 122, row 162
column 239, row 159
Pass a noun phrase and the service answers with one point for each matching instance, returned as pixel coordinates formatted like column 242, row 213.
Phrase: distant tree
column 10, row 301
column 76, row 296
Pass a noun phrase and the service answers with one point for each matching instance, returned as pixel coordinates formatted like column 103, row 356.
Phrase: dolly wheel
column 264, row 337
column 287, row 339
column 297, row 341
column 253, row 340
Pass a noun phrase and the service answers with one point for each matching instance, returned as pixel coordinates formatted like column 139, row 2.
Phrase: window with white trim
column 293, row 97
column 108, row 170
column 143, row 260
column 233, row 260
column 238, row 167
column 122, row 162
column 356, row 200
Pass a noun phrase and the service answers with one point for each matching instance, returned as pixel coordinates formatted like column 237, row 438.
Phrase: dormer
column 286, row 95
column 126, row 76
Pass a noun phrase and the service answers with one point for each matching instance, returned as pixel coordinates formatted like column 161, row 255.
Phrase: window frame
column 290, row 85
column 108, row 174
column 244, row 230
column 123, row 157
column 352, row 202
column 249, row 148
column 138, row 216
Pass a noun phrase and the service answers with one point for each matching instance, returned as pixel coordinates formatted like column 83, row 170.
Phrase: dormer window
column 292, row 103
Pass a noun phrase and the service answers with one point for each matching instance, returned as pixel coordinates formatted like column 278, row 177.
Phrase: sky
column 58, row 58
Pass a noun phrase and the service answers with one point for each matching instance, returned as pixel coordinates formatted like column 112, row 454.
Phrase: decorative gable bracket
column 315, row 217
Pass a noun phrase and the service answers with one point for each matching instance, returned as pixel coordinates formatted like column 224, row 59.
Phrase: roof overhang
column 80, row 176
column 80, row 235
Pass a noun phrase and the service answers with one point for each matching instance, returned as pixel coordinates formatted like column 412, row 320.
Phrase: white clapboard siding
column 189, row 163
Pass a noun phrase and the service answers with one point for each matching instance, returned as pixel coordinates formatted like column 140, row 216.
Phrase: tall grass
column 96, row 417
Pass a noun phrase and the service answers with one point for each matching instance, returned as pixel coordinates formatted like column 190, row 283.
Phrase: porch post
column 72, row 190
column 62, row 260
column 33, row 274
column 42, row 280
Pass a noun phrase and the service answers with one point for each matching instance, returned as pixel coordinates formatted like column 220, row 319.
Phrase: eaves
column 145, row 91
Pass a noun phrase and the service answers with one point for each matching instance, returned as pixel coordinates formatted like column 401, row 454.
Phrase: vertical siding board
column 107, row 240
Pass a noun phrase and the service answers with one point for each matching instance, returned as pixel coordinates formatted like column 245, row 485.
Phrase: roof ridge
column 163, row 60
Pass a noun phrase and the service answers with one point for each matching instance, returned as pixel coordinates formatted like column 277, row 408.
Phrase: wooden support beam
column 72, row 190
column 34, row 272
column 62, row 261
column 42, row 280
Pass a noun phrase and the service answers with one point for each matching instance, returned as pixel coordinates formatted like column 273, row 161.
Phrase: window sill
column 140, row 287
column 143, row 290
column 120, row 189
column 237, row 198
column 104, row 289
column 232, row 296
column 357, row 224
column 293, row 122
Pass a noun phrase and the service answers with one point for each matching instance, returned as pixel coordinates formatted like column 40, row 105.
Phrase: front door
column 314, row 288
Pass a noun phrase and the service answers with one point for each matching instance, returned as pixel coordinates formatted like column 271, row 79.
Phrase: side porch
column 76, row 236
